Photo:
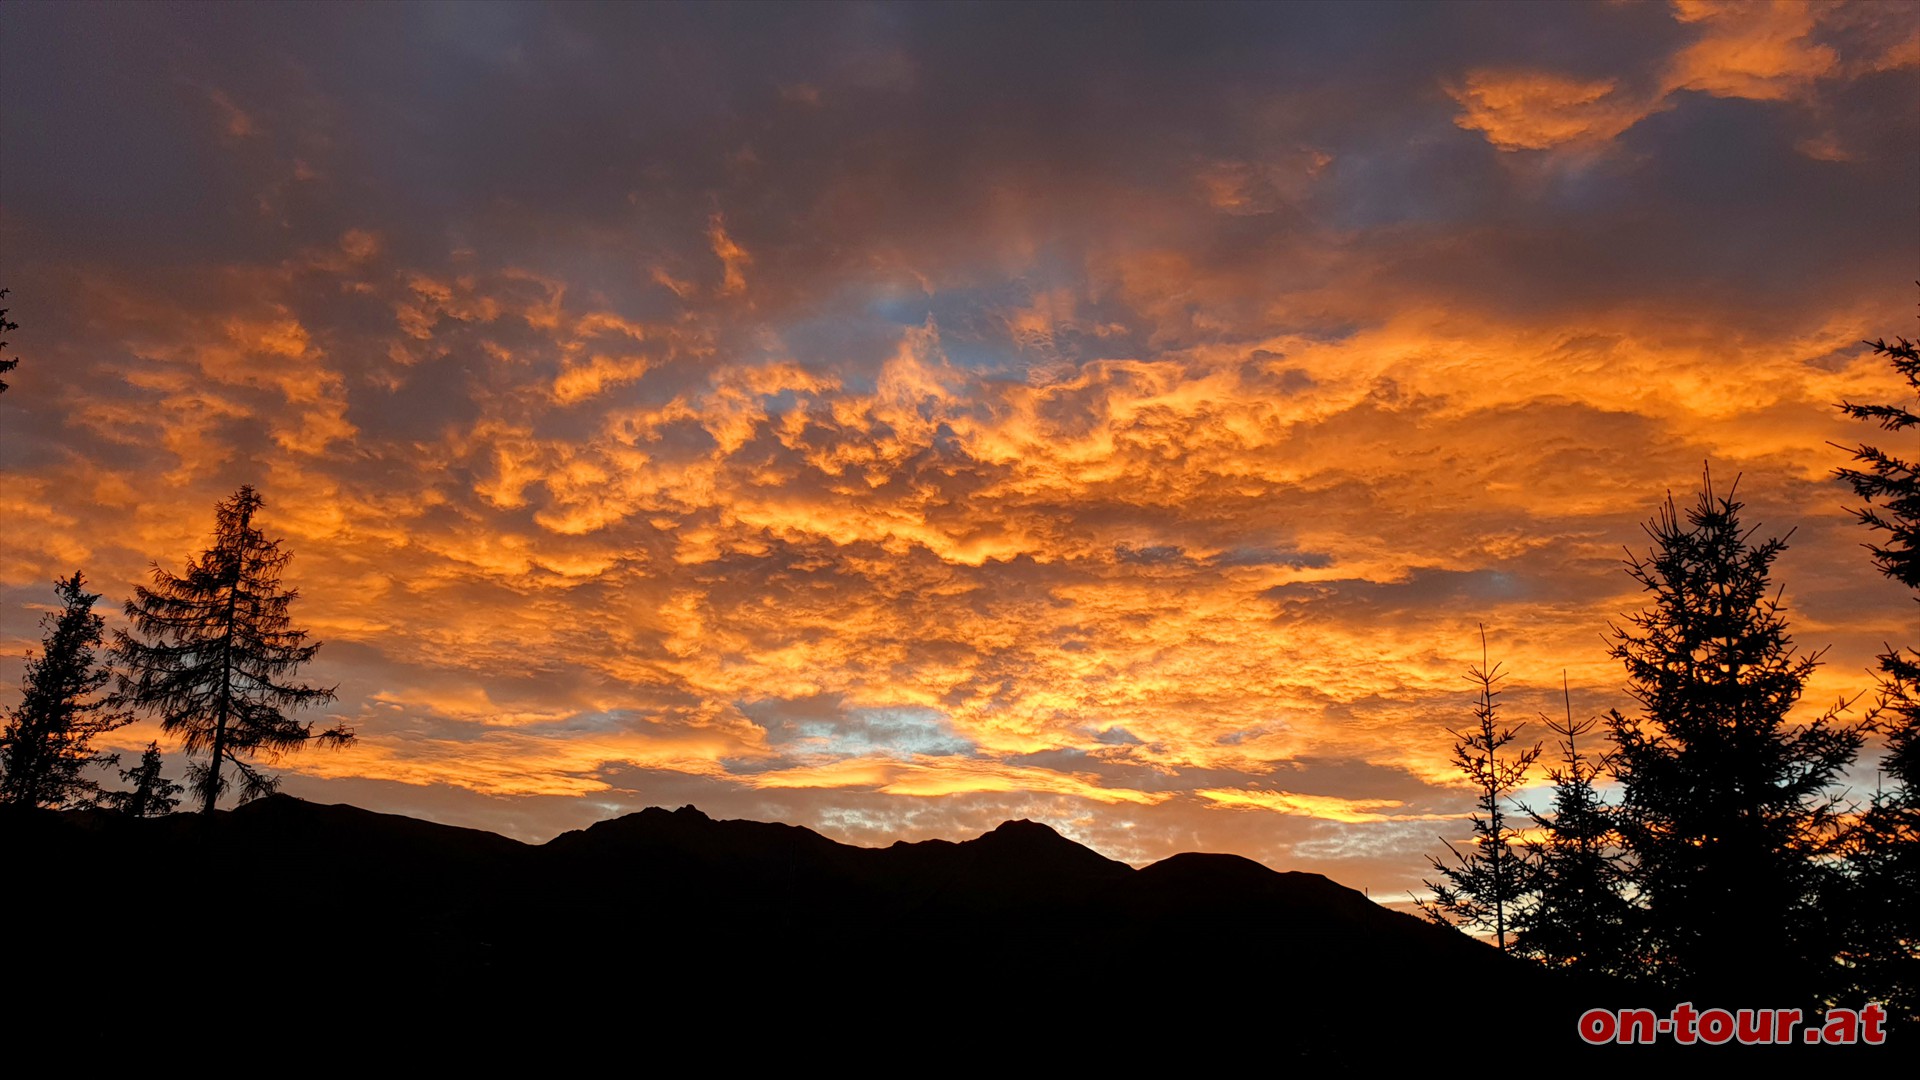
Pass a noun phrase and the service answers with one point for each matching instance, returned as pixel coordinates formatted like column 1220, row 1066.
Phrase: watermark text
column 1747, row 1027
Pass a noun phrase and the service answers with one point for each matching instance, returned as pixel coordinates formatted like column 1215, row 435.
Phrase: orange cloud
column 931, row 778
column 734, row 259
column 1758, row 51
column 510, row 763
column 1323, row 807
column 1762, row 50
column 1535, row 110
column 599, row 373
column 1215, row 493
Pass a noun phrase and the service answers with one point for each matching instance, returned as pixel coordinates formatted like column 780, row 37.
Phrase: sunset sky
column 896, row 419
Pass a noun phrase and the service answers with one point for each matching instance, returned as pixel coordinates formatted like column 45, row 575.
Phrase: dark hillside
column 729, row 930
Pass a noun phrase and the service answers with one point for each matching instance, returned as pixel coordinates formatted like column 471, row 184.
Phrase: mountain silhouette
column 768, row 936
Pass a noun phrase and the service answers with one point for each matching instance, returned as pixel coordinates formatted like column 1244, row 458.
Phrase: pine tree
column 1577, row 916
column 1728, row 809
column 1883, row 946
column 218, row 652
column 46, row 750
column 1480, row 889
column 152, row 794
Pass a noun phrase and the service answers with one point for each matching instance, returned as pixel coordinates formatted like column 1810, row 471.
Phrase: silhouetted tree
column 218, row 652
column 1889, row 483
column 1577, row 916
column 1480, row 888
column 1727, row 809
column 151, row 795
column 1891, row 487
column 45, row 750
column 1883, row 937
column 6, row 326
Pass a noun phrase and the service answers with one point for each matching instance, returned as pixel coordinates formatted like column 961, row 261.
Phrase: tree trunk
column 212, row 794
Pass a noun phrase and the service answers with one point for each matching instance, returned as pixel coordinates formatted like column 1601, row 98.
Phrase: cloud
column 235, row 122
column 1536, row 110
column 734, row 259
column 1766, row 51
column 842, row 436
column 1757, row 51
column 1323, row 807
column 923, row 779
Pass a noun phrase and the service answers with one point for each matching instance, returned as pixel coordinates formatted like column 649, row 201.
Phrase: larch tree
column 1883, row 935
column 1728, row 806
column 46, row 748
column 1480, row 889
column 213, row 653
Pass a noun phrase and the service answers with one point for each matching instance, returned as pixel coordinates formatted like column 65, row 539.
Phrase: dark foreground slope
column 759, row 940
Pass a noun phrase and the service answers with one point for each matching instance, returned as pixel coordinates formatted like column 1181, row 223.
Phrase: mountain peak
column 1025, row 827
column 1031, row 850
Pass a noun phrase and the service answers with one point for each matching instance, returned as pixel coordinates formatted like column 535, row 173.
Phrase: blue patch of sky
column 1235, row 738
column 855, row 820
column 904, row 731
column 781, row 403
column 1423, row 586
column 857, row 331
column 598, row 720
column 987, row 357
column 886, row 731
column 900, row 307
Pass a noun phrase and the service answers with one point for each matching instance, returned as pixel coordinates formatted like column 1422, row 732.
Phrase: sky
column 896, row 419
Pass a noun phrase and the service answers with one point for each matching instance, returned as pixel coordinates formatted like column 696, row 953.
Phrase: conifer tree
column 152, row 795
column 1883, row 933
column 1728, row 808
column 218, row 654
column 1480, row 889
column 1577, row 916
column 45, row 750
column 1889, row 483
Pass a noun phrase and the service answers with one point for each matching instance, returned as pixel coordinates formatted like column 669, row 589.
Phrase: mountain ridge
column 684, row 911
